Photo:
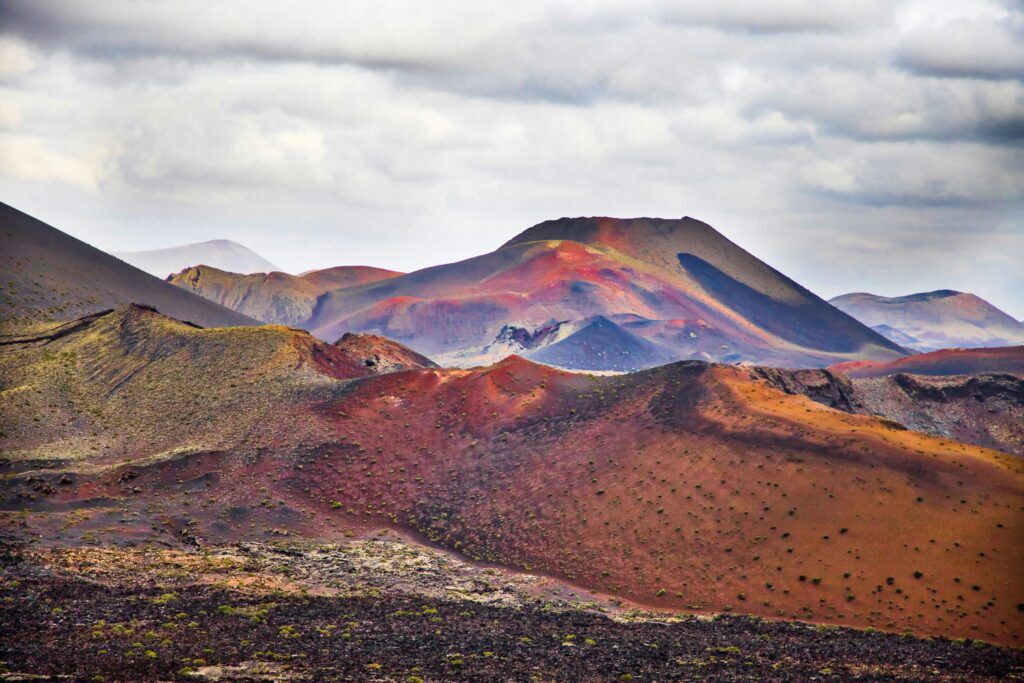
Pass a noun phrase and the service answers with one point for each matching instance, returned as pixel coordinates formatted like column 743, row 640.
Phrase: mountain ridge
column 274, row 297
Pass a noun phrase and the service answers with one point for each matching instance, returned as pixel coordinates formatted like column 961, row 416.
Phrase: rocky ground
column 390, row 610
column 985, row 409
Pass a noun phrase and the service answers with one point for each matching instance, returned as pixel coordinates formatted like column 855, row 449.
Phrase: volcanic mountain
column 52, row 276
column 223, row 254
column 274, row 297
column 689, row 486
column 676, row 288
column 934, row 320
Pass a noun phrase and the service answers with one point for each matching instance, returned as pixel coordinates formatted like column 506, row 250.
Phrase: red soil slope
column 1007, row 359
column 380, row 354
column 690, row 486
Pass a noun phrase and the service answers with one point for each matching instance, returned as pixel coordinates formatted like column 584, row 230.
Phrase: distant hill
column 49, row 275
column 934, row 320
column 274, row 297
column 222, row 254
column 676, row 283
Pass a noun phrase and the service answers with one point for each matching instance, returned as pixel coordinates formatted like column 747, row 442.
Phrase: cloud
column 885, row 105
column 375, row 131
column 375, row 34
column 781, row 16
column 237, row 150
column 987, row 48
column 16, row 58
column 29, row 158
column 916, row 174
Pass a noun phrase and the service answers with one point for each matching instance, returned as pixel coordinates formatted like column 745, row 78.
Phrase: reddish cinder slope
column 380, row 354
column 459, row 304
column 690, row 486
column 338, row 277
column 704, row 264
column 1007, row 359
column 274, row 297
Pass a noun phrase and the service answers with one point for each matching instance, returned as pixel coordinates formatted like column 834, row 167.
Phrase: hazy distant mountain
column 934, row 320
column 222, row 254
column 52, row 276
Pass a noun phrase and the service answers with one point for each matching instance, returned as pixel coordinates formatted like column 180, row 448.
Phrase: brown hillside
column 985, row 409
column 275, row 297
column 934, row 320
column 382, row 355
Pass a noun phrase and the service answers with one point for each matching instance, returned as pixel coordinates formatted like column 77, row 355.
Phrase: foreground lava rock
column 252, row 614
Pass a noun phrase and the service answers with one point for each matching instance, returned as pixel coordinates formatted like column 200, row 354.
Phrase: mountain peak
column 608, row 230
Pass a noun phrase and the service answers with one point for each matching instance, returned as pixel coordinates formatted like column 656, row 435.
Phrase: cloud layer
column 872, row 146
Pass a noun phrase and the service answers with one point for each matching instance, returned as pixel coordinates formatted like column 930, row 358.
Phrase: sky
column 856, row 146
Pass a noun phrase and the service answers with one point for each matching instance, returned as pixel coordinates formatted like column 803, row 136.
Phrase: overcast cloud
column 857, row 146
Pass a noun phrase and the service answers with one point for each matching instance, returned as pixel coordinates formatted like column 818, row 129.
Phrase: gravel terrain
column 389, row 611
